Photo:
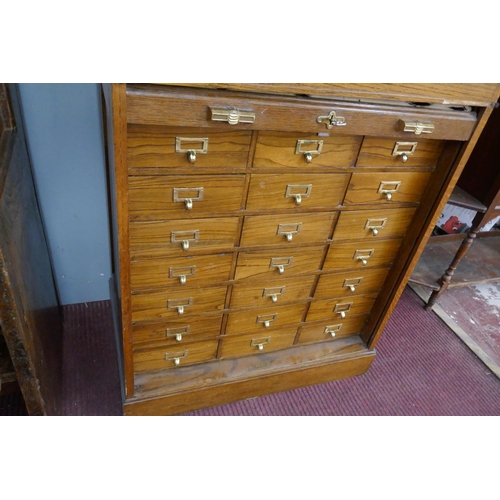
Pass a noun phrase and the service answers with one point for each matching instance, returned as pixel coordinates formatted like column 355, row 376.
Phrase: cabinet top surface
column 472, row 94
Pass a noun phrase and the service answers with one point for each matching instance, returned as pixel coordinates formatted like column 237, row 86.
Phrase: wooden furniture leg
column 445, row 279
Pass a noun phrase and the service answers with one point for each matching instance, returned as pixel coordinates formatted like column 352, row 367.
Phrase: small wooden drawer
column 164, row 147
column 283, row 149
column 164, row 197
column 411, row 152
column 170, row 303
column 176, row 331
column 293, row 191
column 345, row 284
column 386, row 187
column 361, row 254
column 264, row 319
column 373, row 224
column 273, row 291
column 182, row 236
column 253, row 343
column 287, row 229
column 269, row 264
column 331, row 330
column 180, row 272
column 168, row 357
column 340, row 308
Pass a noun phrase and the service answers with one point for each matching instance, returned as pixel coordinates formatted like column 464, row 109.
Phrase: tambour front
column 262, row 238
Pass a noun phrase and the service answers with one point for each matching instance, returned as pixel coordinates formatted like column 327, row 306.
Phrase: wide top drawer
column 180, row 107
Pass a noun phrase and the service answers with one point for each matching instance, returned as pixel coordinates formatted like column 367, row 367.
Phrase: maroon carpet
column 421, row 368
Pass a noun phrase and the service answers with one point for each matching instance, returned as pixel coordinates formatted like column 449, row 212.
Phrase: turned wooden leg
column 445, row 279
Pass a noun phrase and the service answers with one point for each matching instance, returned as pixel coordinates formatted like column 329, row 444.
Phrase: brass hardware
column 288, row 230
column 232, row 116
column 178, row 332
column 332, row 329
column 191, row 152
column 332, row 120
column 363, row 255
column 389, row 188
column 352, row 283
column 182, row 237
column 298, row 191
column 273, row 292
column 176, row 357
column 182, row 273
column 404, row 149
column 266, row 319
column 260, row 343
column 179, row 305
column 187, row 199
column 342, row 308
column 375, row 225
column 417, row 127
column 308, row 154
column 280, row 263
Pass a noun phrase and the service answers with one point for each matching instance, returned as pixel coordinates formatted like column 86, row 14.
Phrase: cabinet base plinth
column 172, row 392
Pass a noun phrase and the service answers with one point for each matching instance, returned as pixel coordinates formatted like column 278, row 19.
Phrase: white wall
column 65, row 138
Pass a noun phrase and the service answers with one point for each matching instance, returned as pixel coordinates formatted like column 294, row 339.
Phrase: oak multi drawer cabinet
column 264, row 233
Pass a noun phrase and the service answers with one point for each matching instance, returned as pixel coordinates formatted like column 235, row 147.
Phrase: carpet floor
column 422, row 369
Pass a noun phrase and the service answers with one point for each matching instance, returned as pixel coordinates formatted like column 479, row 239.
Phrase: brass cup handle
column 388, row 196
column 404, row 157
column 178, row 337
column 177, row 361
column 281, row 269
column 289, row 236
column 342, row 314
column 182, row 279
column 298, row 199
column 267, row 324
column 185, row 244
column 363, row 260
column 180, row 310
column 274, row 297
column 308, row 157
column 189, row 203
column 191, row 156
column 352, row 288
column 375, row 231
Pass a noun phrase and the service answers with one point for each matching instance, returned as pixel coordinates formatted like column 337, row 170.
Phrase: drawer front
column 287, row 229
column 361, row 254
column 246, row 345
column 180, row 271
column 345, row 284
column 282, row 149
column 176, row 331
column 163, row 197
column 386, row 187
column 180, row 237
column 292, row 191
column 161, row 147
column 159, row 105
column 411, row 152
column 273, row 291
column 340, row 308
column 269, row 264
column 264, row 319
column 169, row 357
column 176, row 303
column 373, row 224
column 331, row 330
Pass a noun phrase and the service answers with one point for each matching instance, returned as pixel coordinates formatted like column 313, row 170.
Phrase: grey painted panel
column 65, row 138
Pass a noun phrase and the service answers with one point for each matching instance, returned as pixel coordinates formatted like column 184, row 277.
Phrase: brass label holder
column 280, row 263
column 182, row 273
column 308, row 153
column 298, row 191
column 176, row 357
column 352, row 283
column 185, row 237
column 332, row 329
column 389, row 188
column 343, row 308
column 266, row 319
column 178, row 332
column 288, row 230
column 375, row 225
column 191, row 151
column 185, row 195
column 179, row 305
column 363, row 255
column 260, row 343
column 404, row 149
column 274, row 292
